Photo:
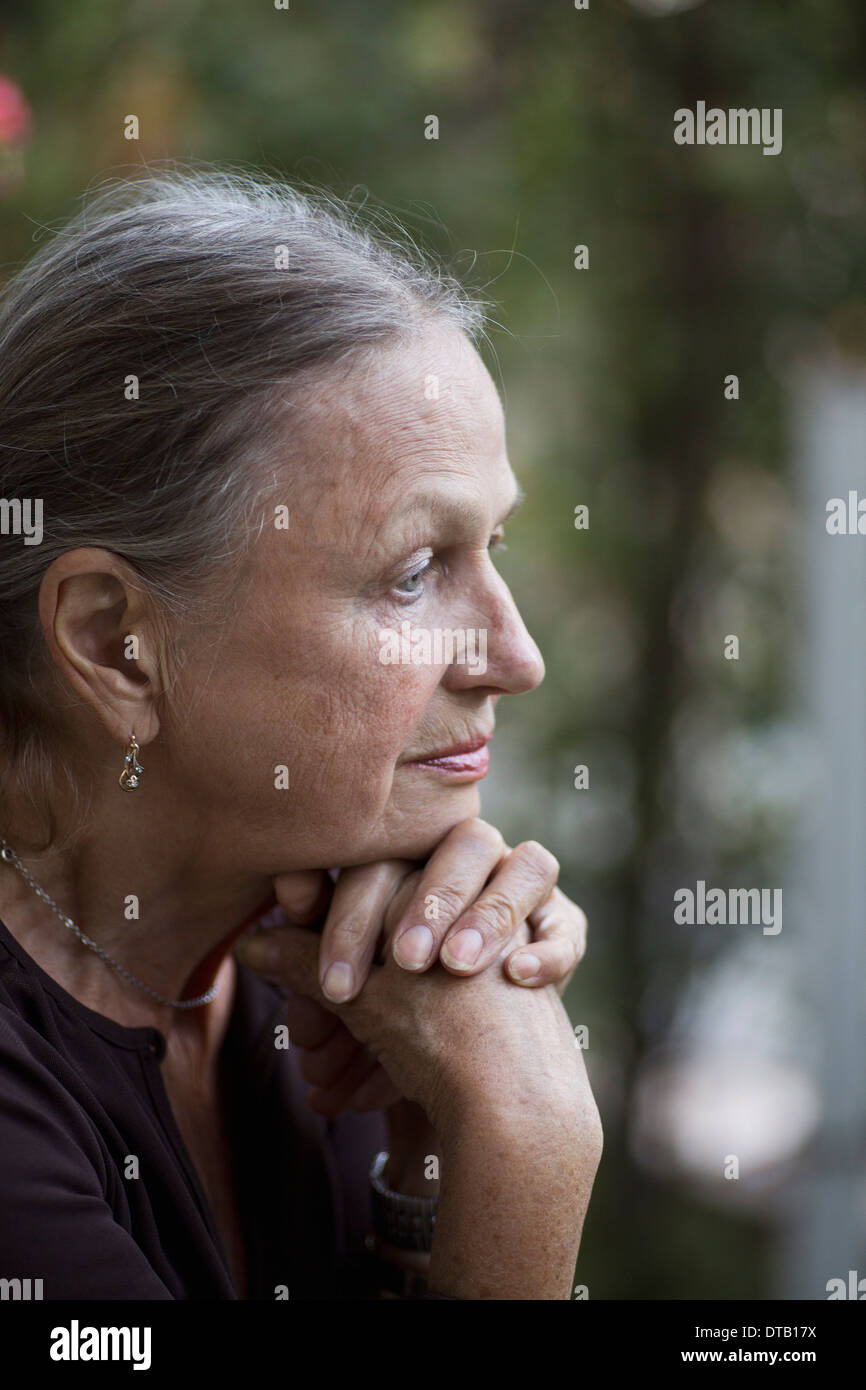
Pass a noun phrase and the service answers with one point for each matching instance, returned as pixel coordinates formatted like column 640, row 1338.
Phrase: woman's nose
column 505, row 655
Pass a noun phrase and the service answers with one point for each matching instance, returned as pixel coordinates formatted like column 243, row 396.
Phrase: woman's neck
column 163, row 915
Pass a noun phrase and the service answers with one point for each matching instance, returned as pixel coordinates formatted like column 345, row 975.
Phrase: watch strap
column 398, row 1219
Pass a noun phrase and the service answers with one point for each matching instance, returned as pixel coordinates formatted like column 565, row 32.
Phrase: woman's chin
column 422, row 828
column 410, row 828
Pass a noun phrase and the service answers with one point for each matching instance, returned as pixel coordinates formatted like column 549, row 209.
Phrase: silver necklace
column 10, row 857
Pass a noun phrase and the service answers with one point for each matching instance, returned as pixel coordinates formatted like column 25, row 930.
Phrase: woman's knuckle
column 351, row 934
column 444, row 902
column 495, row 912
column 540, row 857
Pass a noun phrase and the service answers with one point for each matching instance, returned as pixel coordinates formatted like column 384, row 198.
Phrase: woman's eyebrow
column 444, row 507
column 519, row 499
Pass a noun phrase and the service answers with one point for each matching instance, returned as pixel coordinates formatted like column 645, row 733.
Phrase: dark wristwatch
column 400, row 1220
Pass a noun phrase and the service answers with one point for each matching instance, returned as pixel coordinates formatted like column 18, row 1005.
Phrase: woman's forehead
column 382, row 427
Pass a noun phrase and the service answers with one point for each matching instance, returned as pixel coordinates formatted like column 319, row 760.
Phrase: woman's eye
column 413, row 580
column 412, row 583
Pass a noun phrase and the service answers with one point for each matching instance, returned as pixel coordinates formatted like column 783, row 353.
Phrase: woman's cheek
column 405, row 702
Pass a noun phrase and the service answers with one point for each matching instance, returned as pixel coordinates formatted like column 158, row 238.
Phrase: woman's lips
column 469, row 761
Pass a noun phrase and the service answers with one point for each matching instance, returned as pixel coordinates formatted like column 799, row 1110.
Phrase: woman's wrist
column 512, row 1206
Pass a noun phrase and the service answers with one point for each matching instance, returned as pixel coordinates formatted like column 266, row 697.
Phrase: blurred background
column 728, row 1063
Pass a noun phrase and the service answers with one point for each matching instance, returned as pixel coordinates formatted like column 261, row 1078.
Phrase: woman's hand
column 496, row 1074
column 471, row 900
column 433, row 1037
column 382, row 900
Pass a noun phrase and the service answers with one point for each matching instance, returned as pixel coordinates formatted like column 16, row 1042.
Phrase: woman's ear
column 100, row 627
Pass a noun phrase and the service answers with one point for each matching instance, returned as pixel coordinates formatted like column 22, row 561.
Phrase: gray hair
column 212, row 288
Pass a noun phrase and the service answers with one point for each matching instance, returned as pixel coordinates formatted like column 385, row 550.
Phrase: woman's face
column 404, row 486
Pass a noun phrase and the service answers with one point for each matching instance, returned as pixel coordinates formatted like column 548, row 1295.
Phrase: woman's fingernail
column 414, row 948
column 524, row 967
column 337, row 984
column 462, row 951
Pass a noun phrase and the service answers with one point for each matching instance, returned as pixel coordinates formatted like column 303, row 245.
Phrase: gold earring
column 130, row 777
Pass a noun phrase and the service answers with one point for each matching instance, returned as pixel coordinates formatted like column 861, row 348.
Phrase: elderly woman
column 246, row 444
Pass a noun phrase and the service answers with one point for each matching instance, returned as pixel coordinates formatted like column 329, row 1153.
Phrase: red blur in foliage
column 14, row 113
